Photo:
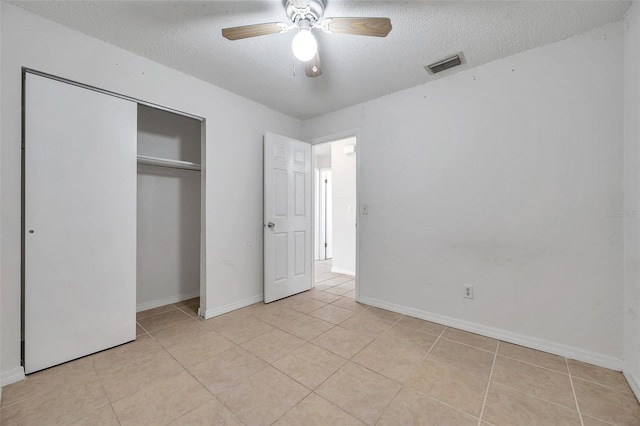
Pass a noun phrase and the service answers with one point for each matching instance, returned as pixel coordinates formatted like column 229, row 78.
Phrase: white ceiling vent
column 445, row 64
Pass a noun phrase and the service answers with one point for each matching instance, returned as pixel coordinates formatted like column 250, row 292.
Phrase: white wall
column 168, row 231
column 343, row 168
column 323, row 161
column 233, row 153
column 632, row 197
column 499, row 177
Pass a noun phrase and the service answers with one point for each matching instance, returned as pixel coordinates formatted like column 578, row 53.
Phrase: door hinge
column 326, row 181
column 325, row 245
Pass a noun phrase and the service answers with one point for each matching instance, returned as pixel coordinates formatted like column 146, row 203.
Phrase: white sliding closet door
column 80, row 222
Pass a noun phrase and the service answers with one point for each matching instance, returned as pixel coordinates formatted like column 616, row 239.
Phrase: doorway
column 335, row 212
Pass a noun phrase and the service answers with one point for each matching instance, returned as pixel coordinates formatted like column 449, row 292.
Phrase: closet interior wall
column 169, row 209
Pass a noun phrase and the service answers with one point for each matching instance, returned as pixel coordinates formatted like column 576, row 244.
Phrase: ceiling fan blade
column 376, row 27
column 237, row 33
column 312, row 68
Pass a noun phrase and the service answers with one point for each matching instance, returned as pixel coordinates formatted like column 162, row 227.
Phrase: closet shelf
column 165, row 162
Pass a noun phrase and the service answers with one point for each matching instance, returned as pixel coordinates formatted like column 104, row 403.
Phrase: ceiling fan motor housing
column 311, row 10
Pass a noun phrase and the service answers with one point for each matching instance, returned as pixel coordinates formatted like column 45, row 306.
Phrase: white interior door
column 287, row 217
column 80, row 222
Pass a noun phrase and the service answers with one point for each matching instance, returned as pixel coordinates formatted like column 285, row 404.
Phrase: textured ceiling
column 185, row 35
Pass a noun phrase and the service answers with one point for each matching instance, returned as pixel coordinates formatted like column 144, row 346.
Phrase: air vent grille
column 445, row 64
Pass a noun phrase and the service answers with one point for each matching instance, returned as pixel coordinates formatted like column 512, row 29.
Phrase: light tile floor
column 317, row 358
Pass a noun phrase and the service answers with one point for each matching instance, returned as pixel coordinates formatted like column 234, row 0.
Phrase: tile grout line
column 573, row 391
column 299, row 382
column 534, row 365
column 159, row 313
column 412, row 329
column 486, row 392
column 330, row 304
column 329, row 279
column 468, row 345
column 145, row 331
column 443, row 403
column 362, row 348
column 611, row 388
column 424, row 358
column 326, row 331
column 429, row 396
column 564, row 407
column 402, row 386
column 606, row 422
column 313, row 391
column 300, row 402
column 202, row 384
column 110, row 403
column 330, row 376
column 114, row 413
column 38, row 393
column 377, row 316
column 388, row 405
column 185, row 312
column 19, row 401
column 362, row 366
column 434, row 334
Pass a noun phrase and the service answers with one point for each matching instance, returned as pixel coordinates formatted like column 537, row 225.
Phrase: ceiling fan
column 306, row 15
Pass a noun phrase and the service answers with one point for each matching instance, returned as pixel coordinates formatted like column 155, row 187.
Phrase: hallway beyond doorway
column 340, row 284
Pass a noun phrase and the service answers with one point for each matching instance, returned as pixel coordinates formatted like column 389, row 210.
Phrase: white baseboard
column 507, row 336
column 634, row 383
column 166, row 301
column 210, row 313
column 343, row 271
column 11, row 376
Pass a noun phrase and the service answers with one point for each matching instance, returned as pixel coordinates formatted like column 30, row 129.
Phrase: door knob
column 271, row 225
column 31, row 231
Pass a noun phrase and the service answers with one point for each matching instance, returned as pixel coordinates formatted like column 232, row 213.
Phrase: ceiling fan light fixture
column 304, row 45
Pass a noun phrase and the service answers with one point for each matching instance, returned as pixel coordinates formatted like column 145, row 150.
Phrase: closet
column 111, row 216
column 168, row 201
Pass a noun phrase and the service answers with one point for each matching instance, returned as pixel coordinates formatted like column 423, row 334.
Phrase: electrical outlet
column 468, row 292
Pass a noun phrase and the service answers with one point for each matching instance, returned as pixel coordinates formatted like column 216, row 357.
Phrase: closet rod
column 165, row 162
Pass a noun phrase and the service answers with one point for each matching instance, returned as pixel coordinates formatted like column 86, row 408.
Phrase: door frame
column 322, row 213
column 332, row 137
